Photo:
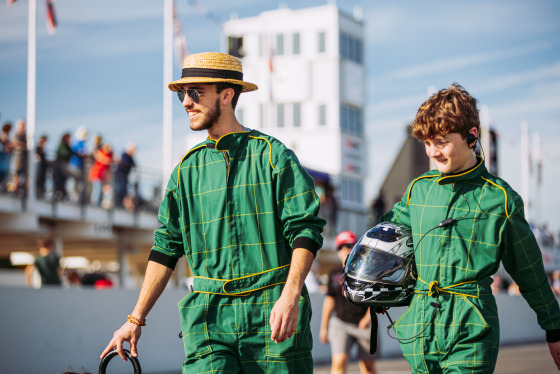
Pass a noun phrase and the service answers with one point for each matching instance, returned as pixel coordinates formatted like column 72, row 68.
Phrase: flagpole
column 167, row 96
column 31, row 99
column 538, row 158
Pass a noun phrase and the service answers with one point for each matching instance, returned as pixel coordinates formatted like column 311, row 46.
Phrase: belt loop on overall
column 434, row 289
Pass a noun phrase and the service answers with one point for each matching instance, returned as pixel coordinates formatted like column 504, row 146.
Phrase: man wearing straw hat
column 243, row 211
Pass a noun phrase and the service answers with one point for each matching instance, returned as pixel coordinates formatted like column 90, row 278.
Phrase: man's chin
column 196, row 127
column 442, row 169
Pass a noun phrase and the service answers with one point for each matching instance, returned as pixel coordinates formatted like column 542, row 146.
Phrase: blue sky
column 103, row 69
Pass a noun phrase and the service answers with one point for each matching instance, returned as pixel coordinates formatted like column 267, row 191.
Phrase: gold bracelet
column 136, row 321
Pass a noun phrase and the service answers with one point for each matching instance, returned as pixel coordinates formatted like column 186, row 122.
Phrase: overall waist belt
column 469, row 289
column 243, row 285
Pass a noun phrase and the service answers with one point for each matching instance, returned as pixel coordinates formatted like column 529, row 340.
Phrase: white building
column 309, row 66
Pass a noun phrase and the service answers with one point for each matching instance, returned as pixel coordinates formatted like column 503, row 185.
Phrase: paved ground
column 522, row 359
column 519, row 359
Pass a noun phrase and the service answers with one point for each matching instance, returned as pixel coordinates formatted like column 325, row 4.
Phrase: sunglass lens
column 193, row 94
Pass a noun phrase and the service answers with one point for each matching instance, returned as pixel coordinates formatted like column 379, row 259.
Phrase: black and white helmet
column 380, row 271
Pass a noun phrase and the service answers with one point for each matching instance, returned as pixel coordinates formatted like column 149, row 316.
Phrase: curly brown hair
column 447, row 111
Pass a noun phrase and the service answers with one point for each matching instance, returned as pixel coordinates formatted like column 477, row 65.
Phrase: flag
column 202, row 10
column 11, row 1
column 51, row 18
column 271, row 61
column 179, row 38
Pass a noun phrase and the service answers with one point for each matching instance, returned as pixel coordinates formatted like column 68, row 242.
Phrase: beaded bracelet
column 136, row 321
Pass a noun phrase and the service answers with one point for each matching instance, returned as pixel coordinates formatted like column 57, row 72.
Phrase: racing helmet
column 380, row 271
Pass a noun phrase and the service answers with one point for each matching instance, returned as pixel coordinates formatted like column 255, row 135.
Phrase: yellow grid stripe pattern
column 489, row 227
column 234, row 221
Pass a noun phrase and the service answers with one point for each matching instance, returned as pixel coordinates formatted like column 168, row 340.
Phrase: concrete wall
column 50, row 330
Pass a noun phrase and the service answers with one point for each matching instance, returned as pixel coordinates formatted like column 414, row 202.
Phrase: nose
column 187, row 102
column 431, row 150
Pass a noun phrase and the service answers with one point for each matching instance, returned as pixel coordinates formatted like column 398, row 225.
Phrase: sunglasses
column 191, row 93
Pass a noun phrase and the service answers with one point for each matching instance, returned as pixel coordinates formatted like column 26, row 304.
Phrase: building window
column 322, row 115
column 280, row 115
column 279, row 44
column 235, row 46
column 297, row 114
column 322, row 42
column 351, row 120
column 351, row 190
column 296, row 43
column 351, row 48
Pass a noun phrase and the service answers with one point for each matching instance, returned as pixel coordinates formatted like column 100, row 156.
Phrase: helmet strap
column 374, row 328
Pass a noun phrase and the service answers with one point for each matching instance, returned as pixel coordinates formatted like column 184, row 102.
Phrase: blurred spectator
column 42, row 167
column 99, row 175
column 89, row 160
column 556, row 282
column 47, row 264
column 329, row 205
column 97, row 280
column 19, row 179
column 378, row 208
column 344, row 324
column 77, row 165
column 97, row 144
column 133, row 201
column 496, row 284
column 5, row 154
column 544, row 235
column 124, row 167
column 74, row 279
column 61, row 170
column 513, row 289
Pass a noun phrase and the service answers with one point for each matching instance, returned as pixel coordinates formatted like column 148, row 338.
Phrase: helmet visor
column 370, row 264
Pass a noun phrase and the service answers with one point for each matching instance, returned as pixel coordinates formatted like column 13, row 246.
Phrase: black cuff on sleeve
column 552, row 336
column 307, row 243
column 163, row 259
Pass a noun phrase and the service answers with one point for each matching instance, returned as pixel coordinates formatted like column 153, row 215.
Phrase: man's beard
column 212, row 116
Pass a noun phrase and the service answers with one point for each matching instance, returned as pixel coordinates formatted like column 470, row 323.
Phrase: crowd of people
column 79, row 173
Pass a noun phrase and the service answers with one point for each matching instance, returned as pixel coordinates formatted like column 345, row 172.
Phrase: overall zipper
column 226, row 158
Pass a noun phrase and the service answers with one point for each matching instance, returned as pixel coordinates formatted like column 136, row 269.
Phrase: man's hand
column 285, row 313
column 283, row 318
column 324, row 335
column 555, row 352
column 129, row 332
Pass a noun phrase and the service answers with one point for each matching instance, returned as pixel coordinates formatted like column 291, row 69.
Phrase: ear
column 474, row 131
column 472, row 138
column 227, row 96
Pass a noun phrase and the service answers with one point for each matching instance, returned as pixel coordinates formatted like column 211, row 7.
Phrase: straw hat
column 212, row 67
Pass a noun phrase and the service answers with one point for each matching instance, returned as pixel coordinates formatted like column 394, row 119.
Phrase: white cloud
column 461, row 62
column 402, row 105
column 542, row 73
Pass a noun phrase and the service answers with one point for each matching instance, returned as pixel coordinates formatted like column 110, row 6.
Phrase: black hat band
column 212, row 73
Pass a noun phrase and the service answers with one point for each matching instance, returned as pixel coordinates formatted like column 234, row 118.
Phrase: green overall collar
column 469, row 174
column 228, row 142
